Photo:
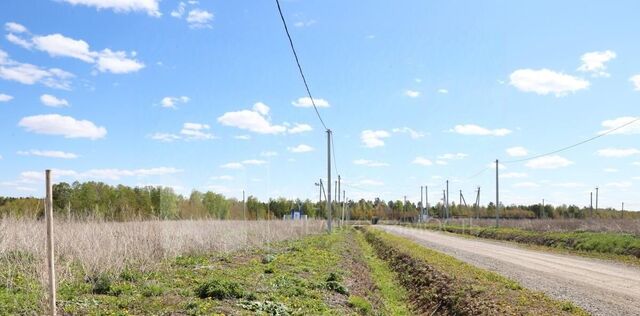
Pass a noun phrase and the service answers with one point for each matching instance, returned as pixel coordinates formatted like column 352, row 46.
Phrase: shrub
column 220, row 289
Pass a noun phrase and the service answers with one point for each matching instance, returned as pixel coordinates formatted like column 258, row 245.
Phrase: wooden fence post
column 48, row 209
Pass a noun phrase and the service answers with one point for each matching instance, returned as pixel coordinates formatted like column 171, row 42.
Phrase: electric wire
column 295, row 55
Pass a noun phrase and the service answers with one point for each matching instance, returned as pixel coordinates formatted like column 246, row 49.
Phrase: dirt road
column 600, row 287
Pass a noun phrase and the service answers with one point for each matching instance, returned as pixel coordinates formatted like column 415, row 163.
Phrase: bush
column 220, row 289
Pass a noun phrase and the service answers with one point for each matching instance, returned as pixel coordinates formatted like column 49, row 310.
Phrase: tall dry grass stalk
column 100, row 247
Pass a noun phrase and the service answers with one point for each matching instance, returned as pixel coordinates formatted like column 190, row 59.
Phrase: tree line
column 98, row 200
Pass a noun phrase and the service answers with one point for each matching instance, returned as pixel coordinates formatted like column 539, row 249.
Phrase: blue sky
column 206, row 95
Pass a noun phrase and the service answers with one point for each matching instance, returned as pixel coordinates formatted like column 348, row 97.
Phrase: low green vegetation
column 606, row 243
column 440, row 284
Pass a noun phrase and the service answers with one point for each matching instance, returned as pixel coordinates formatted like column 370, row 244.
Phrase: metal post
column 597, row 189
column 478, row 204
column 48, row 205
column 329, row 206
column 497, row 196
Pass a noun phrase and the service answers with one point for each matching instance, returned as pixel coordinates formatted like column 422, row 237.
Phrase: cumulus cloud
column 633, row 128
column 305, row 102
column 443, row 91
column 189, row 132
column 171, row 102
column 299, row 128
column 451, row 156
column 52, row 101
column 618, row 152
column 255, row 120
column 549, row 162
column 372, row 139
column 198, row 19
column 268, row 154
column 422, row 161
column 302, row 148
column 545, row 81
column 412, row 93
column 69, row 127
column 232, row 165
column 58, row 45
column 14, row 27
column 595, row 63
column 472, row 129
column 151, row 7
column 30, row 74
column 5, row 97
column 48, row 154
column 370, row 163
column 635, row 80
column 517, row 151
column 412, row 133
column 242, row 137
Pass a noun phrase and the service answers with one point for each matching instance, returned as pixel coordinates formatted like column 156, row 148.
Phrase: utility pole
column 444, row 208
column 478, row 204
column 244, row 207
column 426, row 199
column 48, row 206
column 497, row 196
column 319, row 184
column 447, row 197
column 597, row 189
column 421, row 204
column 329, row 207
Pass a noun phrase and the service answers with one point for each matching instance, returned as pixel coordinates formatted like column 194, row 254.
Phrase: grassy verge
column 439, row 284
column 327, row 274
column 606, row 243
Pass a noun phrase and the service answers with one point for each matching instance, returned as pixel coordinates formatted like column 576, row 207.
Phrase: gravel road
column 600, row 287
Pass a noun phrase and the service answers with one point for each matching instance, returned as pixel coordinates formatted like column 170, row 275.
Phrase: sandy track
column 600, row 287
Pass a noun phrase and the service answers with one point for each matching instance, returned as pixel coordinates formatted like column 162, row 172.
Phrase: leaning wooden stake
column 48, row 209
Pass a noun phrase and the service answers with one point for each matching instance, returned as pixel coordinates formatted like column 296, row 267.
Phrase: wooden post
column 48, row 205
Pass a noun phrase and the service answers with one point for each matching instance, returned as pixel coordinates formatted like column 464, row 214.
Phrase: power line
column 576, row 144
column 293, row 49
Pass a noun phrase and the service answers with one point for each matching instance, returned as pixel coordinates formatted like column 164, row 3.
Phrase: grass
column 621, row 244
column 439, row 283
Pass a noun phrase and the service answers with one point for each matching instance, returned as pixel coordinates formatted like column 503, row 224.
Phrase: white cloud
column 69, row 127
column 526, row 185
column 492, row 165
column 49, row 154
column 373, row 139
column 472, row 129
column 636, row 163
column 165, row 137
column 370, row 163
column 304, row 23
column 242, row 137
column 116, row 174
column 594, row 63
column 545, row 81
column 151, row 7
column 453, row 156
column 170, row 102
column 232, row 165
column 633, row 128
column 52, row 101
column 254, row 120
column 30, row 74
column 443, row 91
column 422, row 161
column 549, row 162
column 5, row 97
column 14, row 27
column 19, row 41
column 610, row 170
column 299, row 128
column 621, row 184
column 412, row 93
column 412, row 133
column 302, row 148
column 179, row 11
column 305, row 102
column 510, row 175
column 618, row 152
column 517, row 151
column 441, row 162
column 636, row 82
column 196, row 131
column 198, row 18
column 58, row 45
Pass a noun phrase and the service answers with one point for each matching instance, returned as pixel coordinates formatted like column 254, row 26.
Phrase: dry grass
column 630, row 226
column 99, row 247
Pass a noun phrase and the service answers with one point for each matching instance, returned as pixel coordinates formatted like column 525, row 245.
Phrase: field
column 245, row 267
